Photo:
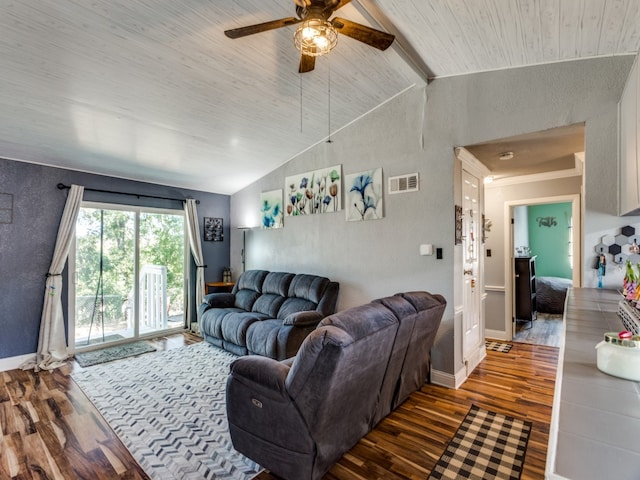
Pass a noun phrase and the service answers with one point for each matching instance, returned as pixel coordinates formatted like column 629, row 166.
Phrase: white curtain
column 196, row 250
column 52, row 343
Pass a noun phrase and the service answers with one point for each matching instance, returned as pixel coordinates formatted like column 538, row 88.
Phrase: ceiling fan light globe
column 309, row 33
column 315, row 37
column 321, row 42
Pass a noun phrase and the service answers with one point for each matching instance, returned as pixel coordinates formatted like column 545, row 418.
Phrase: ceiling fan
column 317, row 35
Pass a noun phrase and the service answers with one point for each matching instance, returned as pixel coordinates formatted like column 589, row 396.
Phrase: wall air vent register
column 404, row 183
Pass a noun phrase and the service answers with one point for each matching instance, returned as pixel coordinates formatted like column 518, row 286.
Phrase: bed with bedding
column 551, row 293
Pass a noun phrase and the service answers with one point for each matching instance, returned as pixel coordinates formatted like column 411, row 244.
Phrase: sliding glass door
column 128, row 271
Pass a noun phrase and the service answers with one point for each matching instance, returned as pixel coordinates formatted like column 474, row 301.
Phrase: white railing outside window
column 153, row 297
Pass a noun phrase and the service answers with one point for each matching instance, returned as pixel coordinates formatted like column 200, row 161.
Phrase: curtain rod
column 62, row 186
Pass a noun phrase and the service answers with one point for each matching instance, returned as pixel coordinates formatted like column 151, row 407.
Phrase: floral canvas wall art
column 271, row 212
column 364, row 195
column 314, row 192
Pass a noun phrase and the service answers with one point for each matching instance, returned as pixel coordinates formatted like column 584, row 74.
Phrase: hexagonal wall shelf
column 620, row 258
column 621, row 239
column 628, row 231
column 621, row 246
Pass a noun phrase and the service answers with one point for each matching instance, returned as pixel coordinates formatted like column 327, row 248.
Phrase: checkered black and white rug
column 498, row 346
column 487, row 445
column 168, row 408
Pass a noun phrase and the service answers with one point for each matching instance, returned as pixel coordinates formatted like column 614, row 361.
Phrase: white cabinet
column 629, row 149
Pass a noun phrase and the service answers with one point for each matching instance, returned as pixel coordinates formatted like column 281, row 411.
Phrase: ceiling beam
column 401, row 45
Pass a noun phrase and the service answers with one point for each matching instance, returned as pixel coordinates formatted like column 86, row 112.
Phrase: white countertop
column 595, row 422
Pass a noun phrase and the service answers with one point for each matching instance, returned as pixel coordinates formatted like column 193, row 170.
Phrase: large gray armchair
column 297, row 417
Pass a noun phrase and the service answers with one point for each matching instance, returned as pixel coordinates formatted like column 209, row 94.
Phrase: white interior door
column 471, row 232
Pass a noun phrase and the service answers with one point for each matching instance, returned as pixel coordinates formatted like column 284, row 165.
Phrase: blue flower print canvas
column 364, row 195
column 271, row 213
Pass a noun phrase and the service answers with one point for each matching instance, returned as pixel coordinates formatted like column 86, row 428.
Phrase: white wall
column 520, row 226
column 410, row 134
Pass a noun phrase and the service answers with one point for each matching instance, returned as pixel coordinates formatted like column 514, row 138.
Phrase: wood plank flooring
column 50, row 430
column 547, row 329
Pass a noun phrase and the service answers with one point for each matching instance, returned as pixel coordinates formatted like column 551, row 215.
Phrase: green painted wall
column 549, row 236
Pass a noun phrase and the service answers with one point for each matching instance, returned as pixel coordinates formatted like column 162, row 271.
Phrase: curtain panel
column 52, row 343
column 193, row 229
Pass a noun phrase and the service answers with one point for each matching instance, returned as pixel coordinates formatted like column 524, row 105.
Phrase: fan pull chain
column 329, row 101
column 300, row 103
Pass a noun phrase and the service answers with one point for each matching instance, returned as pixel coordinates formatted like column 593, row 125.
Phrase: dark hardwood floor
column 50, row 430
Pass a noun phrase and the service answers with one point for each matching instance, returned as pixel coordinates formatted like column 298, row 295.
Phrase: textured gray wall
column 407, row 134
column 26, row 245
column 358, row 252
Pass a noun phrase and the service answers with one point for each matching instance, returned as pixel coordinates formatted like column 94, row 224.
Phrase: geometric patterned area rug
column 168, row 408
column 117, row 352
column 487, row 445
column 498, row 346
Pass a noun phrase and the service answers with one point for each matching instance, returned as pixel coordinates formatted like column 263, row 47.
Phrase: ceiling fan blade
column 341, row 4
column 261, row 27
column 375, row 38
column 307, row 63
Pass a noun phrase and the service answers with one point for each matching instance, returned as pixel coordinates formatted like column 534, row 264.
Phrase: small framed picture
column 458, row 218
column 213, row 229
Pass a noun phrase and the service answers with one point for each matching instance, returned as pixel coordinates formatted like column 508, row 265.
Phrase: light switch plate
column 426, row 249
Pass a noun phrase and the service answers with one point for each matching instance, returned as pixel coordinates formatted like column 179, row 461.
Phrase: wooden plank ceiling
column 152, row 90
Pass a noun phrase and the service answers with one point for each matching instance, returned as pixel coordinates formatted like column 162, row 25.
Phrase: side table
column 212, row 287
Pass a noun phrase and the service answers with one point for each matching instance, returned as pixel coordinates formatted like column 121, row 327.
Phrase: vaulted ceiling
column 153, row 90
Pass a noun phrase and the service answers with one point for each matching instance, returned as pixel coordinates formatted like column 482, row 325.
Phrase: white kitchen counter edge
column 552, row 446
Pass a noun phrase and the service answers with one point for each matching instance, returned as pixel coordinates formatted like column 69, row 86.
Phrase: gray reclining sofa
column 267, row 313
column 298, row 417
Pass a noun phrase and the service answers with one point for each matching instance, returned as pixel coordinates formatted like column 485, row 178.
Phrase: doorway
column 543, row 236
column 128, row 268
column 527, row 169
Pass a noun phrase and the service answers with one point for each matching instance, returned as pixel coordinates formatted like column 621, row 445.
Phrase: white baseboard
column 496, row 334
column 474, row 360
column 455, row 381
column 447, row 380
column 11, row 363
column 443, row 379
